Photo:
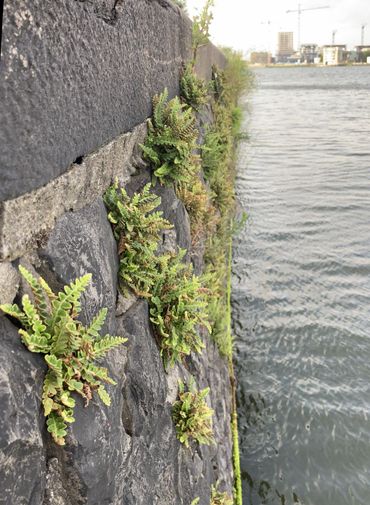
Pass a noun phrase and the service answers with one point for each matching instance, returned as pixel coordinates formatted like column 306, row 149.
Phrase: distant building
column 333, row 54
column 362, row 52
column 294, row 58
column 285, row 46
column 309, row 52
column 260, row 58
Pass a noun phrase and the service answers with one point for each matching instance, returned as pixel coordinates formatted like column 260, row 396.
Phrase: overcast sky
column 253, row 25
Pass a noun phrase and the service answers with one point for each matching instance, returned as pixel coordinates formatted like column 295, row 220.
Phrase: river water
column 301, row 288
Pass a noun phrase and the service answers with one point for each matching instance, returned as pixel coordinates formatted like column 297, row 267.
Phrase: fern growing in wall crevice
column 137, row 227
column 171, row 142
column 50, row 327
column 178, row 299
column 192, row 416
column 178, row 306
column 193, row 90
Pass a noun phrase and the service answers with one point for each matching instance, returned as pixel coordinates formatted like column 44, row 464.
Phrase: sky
column 253, row 25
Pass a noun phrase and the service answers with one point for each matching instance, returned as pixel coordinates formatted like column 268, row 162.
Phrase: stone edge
column 26, row 220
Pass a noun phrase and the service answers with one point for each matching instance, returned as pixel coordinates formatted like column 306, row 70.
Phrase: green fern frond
column 137, row 226
column 57, row 428
column 96, row 372
column 104, row 396
column 38, row 292
column 103, row 345
column 178, row 306
column 35, row 343
column 192, row 416
column 68, row 299
column 97, row 323
column 50, row 327
column 172, row 140
column 193, row 90
column 55, row 364
column 14, row 311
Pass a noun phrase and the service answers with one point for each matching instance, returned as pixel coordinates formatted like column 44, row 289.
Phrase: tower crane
column 363, row 35
column 299, row 12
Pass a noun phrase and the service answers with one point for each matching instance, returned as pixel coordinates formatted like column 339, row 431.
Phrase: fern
column 137, row 228
column 192, row 416
column 177, row 298
column 171, row 140
column 193, row 91
column 50, row 327
column 178, row 306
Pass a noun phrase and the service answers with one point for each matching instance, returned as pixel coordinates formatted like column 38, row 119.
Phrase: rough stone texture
column 207, row 56
column 22, row 454
column 76, row 74
column 128, row 453
column 9, row 282
column 159, row 470
column 82, row 242
column 26, row 220
column 212, row 371
column 97, row 443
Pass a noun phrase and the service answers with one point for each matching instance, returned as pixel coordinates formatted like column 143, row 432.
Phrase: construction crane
column 333, row 37
column 299, row 12
column 363, row 35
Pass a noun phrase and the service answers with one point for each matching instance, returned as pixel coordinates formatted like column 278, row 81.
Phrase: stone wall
column 76, row 81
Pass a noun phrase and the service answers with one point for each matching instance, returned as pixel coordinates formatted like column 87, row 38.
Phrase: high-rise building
column 285, row 46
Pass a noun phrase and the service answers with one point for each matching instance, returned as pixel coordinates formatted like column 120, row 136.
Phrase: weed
column 178, row 305
column 216, row 156
column 219, row 498
column 171, row 140
column 137, row 229
column 237, row 77
column 193, row 91
column 192, row 416
column 218, row 166
column 201, row 25
column 217, row 83
column 50, row 327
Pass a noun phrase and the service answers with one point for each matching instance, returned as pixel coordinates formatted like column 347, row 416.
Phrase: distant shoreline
column 306, row 65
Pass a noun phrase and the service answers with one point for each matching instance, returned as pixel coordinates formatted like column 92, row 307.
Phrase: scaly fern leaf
column 38, row 292
column 50, row 327
column 57, row 428
column 103, row 345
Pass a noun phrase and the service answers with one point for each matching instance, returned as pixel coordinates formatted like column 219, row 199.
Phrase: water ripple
column 301, row 289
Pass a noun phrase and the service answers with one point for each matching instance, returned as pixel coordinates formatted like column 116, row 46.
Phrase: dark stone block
column 174, row 210
column 207, row 56
column 149, row 474
column 22, row 470
column 76, row 74
column 83, row 242
column 98, row 446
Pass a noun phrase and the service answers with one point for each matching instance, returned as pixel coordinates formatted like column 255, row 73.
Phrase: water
column 301, row 288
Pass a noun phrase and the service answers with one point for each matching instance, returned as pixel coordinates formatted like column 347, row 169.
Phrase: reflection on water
column 301, row 289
